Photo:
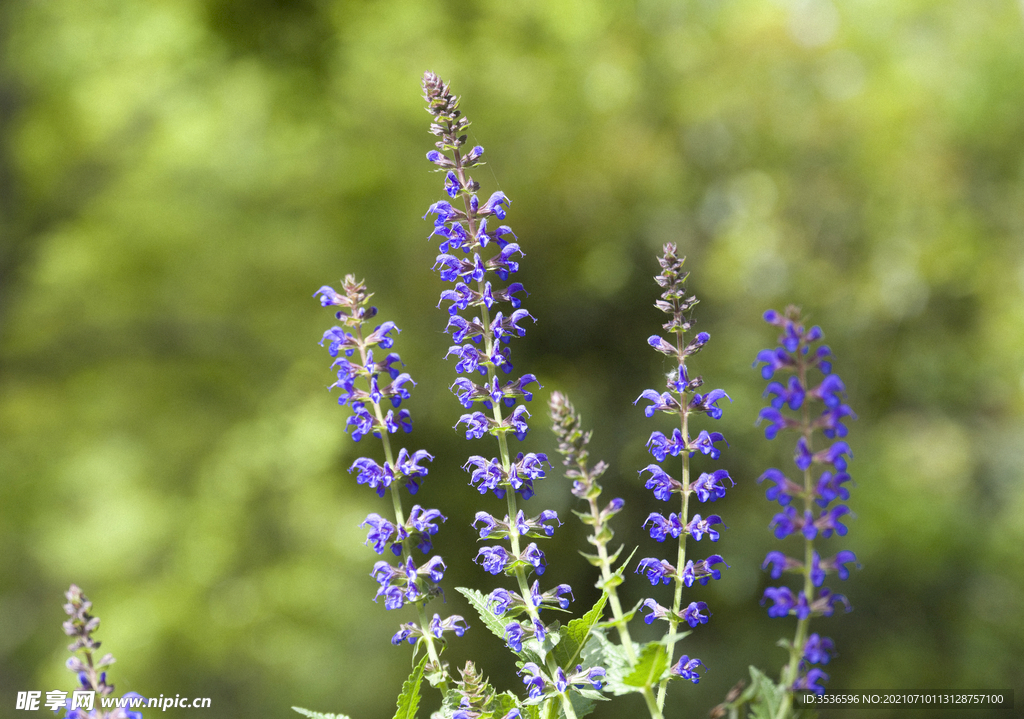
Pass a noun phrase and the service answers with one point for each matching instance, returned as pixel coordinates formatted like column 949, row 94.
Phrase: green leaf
column 576, row 633
column 318, row 715
column 502, row 704
column 479, row 603
column 409, row 699
column 650, row 667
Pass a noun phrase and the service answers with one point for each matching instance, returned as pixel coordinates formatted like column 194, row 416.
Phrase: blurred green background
column 177, row 178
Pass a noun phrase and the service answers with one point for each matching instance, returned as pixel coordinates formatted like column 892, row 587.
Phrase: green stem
column 396, row 503
column 796, row 650
column 677, row 600
column 652, row 704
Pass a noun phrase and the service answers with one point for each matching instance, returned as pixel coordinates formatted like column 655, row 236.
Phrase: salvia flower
column 484, row 315
column 366, row 384
column 807, row 499
column 682, row 401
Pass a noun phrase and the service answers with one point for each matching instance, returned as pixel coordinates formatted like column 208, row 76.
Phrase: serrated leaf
column 318, row 715
column 479, row 603
column 576, row 633
column 650, row 667
column 409, row 700
column 502, row 704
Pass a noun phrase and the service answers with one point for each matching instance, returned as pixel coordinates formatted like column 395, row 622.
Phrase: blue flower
column 381, row 532
column 535, row 557
column 687, row 668
column 709, row 486
column 658, row 570
column 692, row 614
column 698, row 527
column 818, row 650
column 534, row 680
column 660, row 483
column 493, row 559
column 809, row 682
column 662, row 528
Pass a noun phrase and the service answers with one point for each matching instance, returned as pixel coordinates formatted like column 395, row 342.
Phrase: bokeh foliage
column 177, row 177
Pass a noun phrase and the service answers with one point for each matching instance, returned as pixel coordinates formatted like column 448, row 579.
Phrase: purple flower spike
column 797, row 354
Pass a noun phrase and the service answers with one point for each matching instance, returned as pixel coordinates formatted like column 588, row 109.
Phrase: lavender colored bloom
column 698, row 527
column 776, row 422
column 661, row 446
column 663, row 402
column 489, row 525
column 535, row 557
column 380, row 533
column 662, row 485
column 780, row 563
column 783, row 491
column 658, row 570
column 539, row 630
column 830, row 487
column 500, row 600
column 454, row 623
column 514, row 636
column 687, row 668
column 707, row 403
column 493, row 559
column 372, row 474
column 838, row 563
column 477, row 424
column 791, row 394
column 809, row 682
column 709, row 486
column 702, row 571
column 407, row 633
column 692, row 614
column 705, row 444
column 818, row 650
column 534, row 680
column 657, row 611
column 662, row 528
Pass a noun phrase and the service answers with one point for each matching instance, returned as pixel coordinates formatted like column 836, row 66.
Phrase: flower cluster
column 682, row 400
column 481, row 348
column 92, row 675
column 365, row 381
column 478, row 256
column 807, row 503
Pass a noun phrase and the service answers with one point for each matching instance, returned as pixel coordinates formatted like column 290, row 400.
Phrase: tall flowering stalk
column 364, row 391
column 484, row 314
column 90, row 669
column 682, row 401
column 808, row 512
